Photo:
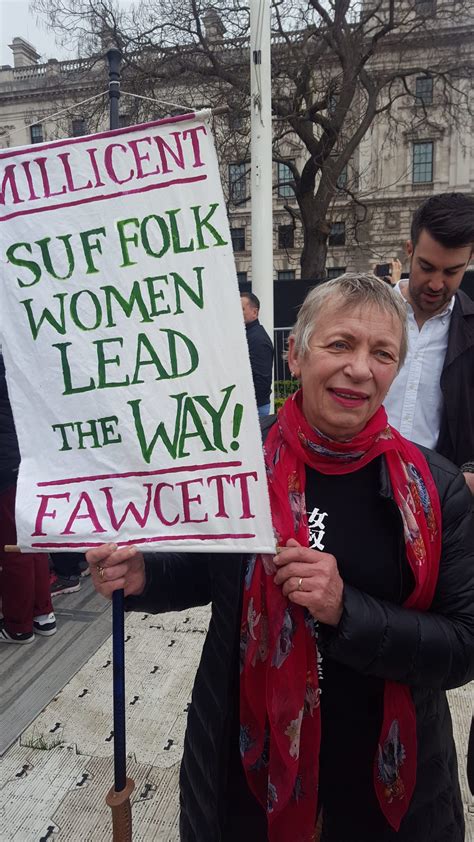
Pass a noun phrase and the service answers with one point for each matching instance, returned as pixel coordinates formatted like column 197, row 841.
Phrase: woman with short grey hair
column 320, row 696
column 353, row 290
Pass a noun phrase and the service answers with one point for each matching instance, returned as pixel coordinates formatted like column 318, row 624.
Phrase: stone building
column 400, row 161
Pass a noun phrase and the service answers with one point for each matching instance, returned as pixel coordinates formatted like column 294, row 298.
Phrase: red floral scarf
column 279, row 694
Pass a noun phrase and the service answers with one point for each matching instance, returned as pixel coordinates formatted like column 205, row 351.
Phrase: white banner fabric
column 124, row 345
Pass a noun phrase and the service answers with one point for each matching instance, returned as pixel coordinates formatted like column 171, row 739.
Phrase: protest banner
column 124, row 345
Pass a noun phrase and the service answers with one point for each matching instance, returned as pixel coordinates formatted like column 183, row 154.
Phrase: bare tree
column 338, row 67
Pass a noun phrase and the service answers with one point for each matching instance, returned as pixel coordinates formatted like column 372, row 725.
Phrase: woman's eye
column 384, row 355
column 339, row 345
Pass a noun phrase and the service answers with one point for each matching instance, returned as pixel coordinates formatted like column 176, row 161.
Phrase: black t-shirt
column 348, row 518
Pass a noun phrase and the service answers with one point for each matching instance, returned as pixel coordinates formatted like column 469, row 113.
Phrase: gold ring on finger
column 100, row 571
column 300, row 582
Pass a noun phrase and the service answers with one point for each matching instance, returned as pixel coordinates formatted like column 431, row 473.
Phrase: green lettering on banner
column 216, row 414
column 144, row 346
column 48, row 264
column 175, row 235
column 161, row 432
column 205, row 224
column 103, row 361
column 127, row 305
column 100, row 430
column 165, row 235
column 124, row 240
column 189, row 423
column 57, row 322
column 88, row 247
column 78, row 321
column 191, row 413
column 196, row 297
column 28, row 264
column 69, row 389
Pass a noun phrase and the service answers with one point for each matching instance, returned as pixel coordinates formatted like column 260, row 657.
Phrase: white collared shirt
column 415, row 401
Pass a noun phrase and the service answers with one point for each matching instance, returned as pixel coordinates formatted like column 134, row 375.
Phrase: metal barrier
column 281, row 373
column 280, row 366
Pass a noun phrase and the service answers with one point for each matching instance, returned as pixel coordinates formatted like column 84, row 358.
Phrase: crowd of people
column 319, row 708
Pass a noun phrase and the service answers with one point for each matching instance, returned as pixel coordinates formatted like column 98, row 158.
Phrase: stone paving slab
column 58, row 795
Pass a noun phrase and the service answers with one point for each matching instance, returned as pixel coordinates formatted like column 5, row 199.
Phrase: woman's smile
column 348, row 397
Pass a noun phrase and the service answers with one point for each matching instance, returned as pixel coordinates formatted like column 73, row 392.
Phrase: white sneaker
column 45, row 624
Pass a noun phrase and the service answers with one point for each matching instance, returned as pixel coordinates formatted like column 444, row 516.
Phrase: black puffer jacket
column 431, row 652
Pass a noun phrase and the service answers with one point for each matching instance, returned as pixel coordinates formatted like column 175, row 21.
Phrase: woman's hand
column 113, row 568
column 311, row 579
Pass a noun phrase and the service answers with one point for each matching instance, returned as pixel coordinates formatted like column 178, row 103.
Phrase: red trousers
column 24, row 580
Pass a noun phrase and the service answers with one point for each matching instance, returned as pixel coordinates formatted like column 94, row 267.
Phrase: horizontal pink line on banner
column 176, row 470
column 211, row 537
column 101, row 198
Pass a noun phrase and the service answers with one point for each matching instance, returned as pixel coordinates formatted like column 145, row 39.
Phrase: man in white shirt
column 431, row 400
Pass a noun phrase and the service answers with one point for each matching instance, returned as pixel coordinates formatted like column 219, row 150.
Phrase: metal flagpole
column 118, row 798
column 261, row 159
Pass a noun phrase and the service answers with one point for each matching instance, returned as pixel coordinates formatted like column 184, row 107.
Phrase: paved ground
column 31, row 675
column 53, row 780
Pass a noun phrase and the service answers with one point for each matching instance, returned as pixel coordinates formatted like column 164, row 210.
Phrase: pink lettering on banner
column 96, row 172
column 157, row 506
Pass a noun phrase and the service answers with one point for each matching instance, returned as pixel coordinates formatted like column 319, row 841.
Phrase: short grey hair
column 353, row 290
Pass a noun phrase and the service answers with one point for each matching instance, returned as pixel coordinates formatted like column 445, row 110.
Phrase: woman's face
column 352, row 360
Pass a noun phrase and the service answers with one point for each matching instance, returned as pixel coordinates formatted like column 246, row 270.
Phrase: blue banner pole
column 118, row 797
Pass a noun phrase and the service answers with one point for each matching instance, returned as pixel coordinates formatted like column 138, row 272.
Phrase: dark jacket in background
column 9, row 452
column 429, row 651
column 456, row 435
column 261, row 360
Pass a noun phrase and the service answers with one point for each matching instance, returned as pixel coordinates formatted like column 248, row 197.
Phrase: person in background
column 24, row 577
column 390, row 272
column 260, row 352
column 66, row 573
column 431, row 401
column 322, row 678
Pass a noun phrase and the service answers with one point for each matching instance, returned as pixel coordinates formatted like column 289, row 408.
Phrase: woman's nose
column 358, row 367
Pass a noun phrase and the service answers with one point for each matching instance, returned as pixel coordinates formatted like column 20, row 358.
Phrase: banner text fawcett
column 91, row 167
column 169, row 503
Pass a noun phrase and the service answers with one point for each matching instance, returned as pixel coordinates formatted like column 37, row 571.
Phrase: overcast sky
column 15, row 19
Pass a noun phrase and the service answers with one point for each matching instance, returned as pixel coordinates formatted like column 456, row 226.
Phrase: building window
column 341, row 182
column 423, row 162
column 286, row 237
column 335, row 271
column 78, row 127
column 337, row 236
column 36, row 133
column 424, row 90
column 284, row 175
column 238, row 238
column 242, row 277
column 237, row 183
column 425, row 8
column 286, row 275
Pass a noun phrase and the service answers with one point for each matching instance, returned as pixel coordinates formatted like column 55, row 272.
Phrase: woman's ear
column 293, row 363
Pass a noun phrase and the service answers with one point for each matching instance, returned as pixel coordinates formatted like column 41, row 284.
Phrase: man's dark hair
column 252, row 298
column 448, row 218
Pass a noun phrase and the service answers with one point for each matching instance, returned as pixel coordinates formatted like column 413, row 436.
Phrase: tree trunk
column 313, row 256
